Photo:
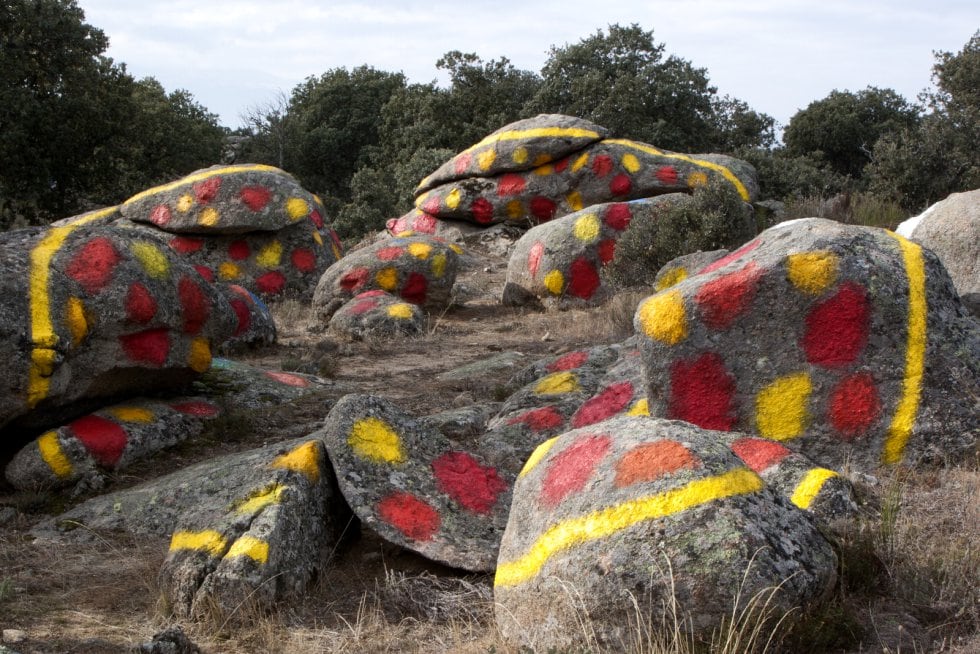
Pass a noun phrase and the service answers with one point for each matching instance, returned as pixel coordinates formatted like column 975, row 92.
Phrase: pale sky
column 778, row 56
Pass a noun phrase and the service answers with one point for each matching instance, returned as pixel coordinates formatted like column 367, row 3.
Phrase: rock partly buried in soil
column 377, row 314
column 419, row 269
column 613, row 523
column 841, row 342
column 413, row 486
column 89, row 312
column 171, row 640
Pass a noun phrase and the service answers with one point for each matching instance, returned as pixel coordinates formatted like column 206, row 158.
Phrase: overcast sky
column 776, row 55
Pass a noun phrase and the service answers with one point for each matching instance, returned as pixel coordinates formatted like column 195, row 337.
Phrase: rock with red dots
column 634, row 518
column 377, row 314
column 415, row 487
column 255, row 326
column 99, row 311
column 847, row 344
column 418, row 269
column 680, row 268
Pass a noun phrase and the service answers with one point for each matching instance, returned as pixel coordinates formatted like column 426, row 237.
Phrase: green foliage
column 783, row 176
column 713, row 217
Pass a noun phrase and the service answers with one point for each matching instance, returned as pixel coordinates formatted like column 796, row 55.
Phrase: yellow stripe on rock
column 903, row 421
column 132, row 414
column 270, row 256
column 304, row 459
column 808, row 489
column 603, row 523
column 781, row 407
column 51, row 453
column 258, row 501
column 662, row 317
column 537, row 455
column 208, row 541
column 557, row 383
column 580, row 163
column 250, row 546
column 152, row 259
column 374, row 440
column 199, row 177
column 297, row 208
column 77, row 322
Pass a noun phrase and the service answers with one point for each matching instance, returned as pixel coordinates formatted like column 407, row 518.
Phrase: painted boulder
column 619, row 521
column 419, row 269
column 841, row 342
column 377, row 314
column 677, row 270
column 255, row 323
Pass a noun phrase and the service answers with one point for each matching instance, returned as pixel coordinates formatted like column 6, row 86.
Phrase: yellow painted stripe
column 539, row 453
column 43, row 337
column 808, row 489
column 209, row 541
column 253, row 548
column 52, row 454
column 201, row 176
column 900, row 429
column 262, row 499
column 725, row 172
column 604, row 523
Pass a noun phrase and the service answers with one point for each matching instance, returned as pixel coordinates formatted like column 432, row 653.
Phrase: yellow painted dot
column 260, row 499
column 672, row 277
column 640, row 408
column 696, row 179
column 580, row 163
column 520, row 155
column 586, row 228
column 387, row 278
column 51, row 453
column 199, row 355
column 452, row 200
column 554, row 281
column 439, row 265
column 227, row 271
column 515, row 210
column 374, row 440
column 781, row 407
column 317, row 238
column 304, row 459
column 557, row 383
column 420, row 250
column 812, row 272
column 662, row 317
column 297, row 208
column 455, row 248
column 153, row 260
column 539, row 453
column 631, row 163
column 209, row 541
column 209, row 217
column 250, row 546
column 544, row 171
column 337, row 254
column 542, row 159
column 132, row 414
column 402, row 311
column 270, row 256
column 185, row 203
column 574, row 201
column 486, row 159
column 76, row 319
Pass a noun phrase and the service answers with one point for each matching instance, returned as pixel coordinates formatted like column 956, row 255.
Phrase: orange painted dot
column 650, row 461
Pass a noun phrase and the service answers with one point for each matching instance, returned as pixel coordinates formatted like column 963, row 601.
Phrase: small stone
column 14, row 636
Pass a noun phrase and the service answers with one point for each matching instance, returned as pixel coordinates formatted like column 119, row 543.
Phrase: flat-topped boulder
column 377, row 314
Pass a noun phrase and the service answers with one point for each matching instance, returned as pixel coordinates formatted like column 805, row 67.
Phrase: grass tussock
column 849, row 208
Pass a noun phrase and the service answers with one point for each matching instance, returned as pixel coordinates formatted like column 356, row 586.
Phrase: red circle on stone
column 854, row 405
column 104, row 439
column 543, row 208
column 425, row 224
column 667, row 175
column 317, row 219
column 204, row 272
column 354, row 279
column 415, row 288
column 271, row 283
column 244, row 316
column 759, row 453
column 186, row 244
column 728, row 258
column 93, row 265
column 607, row 251
column 413, row 517
column 304, row 260
column 195, row 304
column 561, row 165
column 482, row 211
column 702, row 392
column 606, row 404
column 197, row 408
column 160, row 215
column 463, row 478
column 511, row 184
column 618, row 216
column 837, row 328
column 539, row 420
column 602, row 165
column 288, row 379
column 363, row 306
column 151, row 346
column 255, row 197
column 390, row 253
column 239, row 250
column 621, row 184
column 207, row 190
column 140, row 304
column 651, row 461
column 568, row 361
column 724, row 299
column 583, row 278
column 432, row 205
column 569, row 470
column 462, row 163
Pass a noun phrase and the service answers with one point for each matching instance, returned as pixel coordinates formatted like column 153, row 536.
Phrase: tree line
column 77, row 131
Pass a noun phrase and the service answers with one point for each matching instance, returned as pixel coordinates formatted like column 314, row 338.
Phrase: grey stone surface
column 377, row 314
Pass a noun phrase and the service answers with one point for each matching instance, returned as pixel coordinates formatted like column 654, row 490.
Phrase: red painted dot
column 140, row 304
column 534, row 256
column 374, row 293
column 511, row 185
column 568, row 361
column 621, row 184
column 702, row 392
column 396, row 225
column 759, row 453
column 618, row 216
column 569, row 470
column 474, row 486
column 151, row 346
column 195, row 304
column 562, row 165
column 463, row 162
column 651, row 461
column 240, row 307
column 583, row 278
column 271, row 283
column 543, row 208
column 354, row 279
column 205, row 272
column 724, row 299
column 104, row 439
column 415, row 288
column 837, row 328
column 432, row 205
column 539, row 420
column 425, row 224
column 854, row 405
column 304, row 260
column 482, row 211
column 288, row 379
column 239, row 250
column 363, row 306
column 160, row 215
column 390, row 253
column 197, row 408
column 207, row 190
column 606, row 251
column 93, row 265
column 606, row 404
column 413, row 517
column 317, row 219
column 186, row 244
column 667, row 175
column 728, row 258
column 602, row 165
column 255, row 197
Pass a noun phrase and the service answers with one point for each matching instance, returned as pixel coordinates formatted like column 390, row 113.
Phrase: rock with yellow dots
column 645, row 519
column 418, row 269
column 680, row 268
column 377, row 314
column 847, row 344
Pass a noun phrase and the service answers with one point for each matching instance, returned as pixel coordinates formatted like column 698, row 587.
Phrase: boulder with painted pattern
column 91, row 312
column 845, row 343
column 255, row 326
column 615, row 522
column 377, row 314
column 419, row 269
